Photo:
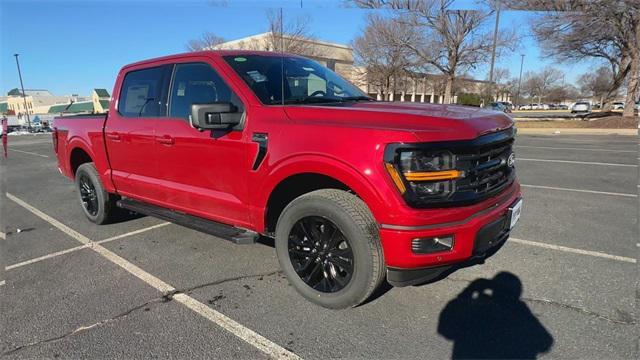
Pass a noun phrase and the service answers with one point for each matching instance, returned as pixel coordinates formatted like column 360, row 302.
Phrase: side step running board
column 227, row 232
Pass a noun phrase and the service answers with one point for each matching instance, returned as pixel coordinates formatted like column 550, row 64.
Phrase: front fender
column 362, row 184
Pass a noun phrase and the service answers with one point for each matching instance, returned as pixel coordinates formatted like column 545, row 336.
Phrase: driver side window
column 196, row 83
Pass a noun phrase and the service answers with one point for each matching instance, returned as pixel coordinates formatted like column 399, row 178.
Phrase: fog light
column 432, row 244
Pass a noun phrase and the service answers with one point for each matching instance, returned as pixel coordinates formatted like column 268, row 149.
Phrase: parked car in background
column 563, row 107
column 618, row 105
column 507, row 104
column 498, row 106
column 525, row 107
column 543, row 107
column 581, row 107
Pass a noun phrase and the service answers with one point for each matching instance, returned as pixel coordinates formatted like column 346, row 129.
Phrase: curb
column 569, row 131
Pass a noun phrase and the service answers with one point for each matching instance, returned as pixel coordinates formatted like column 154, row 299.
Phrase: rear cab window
column 143, row 92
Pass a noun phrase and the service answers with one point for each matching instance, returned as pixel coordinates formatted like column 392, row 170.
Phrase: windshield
column 306, row 81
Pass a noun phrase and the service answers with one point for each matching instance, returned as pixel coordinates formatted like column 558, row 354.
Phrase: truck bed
column 83, row 131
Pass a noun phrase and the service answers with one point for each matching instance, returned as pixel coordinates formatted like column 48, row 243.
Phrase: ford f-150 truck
column 243, row 144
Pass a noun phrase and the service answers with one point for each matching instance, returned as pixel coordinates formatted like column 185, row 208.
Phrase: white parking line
column 577, row 162
column 251, row 337
column 29, row 152
column 131, row 233
column 45, row 257
column 578, row 190
column 246, row 334
column 74, row 249
column 571, row 148
column 3, row 236
column 573, row 250
column 3, row 282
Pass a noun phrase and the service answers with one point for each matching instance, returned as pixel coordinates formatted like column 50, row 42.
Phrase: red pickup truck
column 243, row 144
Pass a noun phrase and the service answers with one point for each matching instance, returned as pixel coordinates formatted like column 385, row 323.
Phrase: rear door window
column 144, row 92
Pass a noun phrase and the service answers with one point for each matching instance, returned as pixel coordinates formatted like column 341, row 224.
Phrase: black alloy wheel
column 97, row 204
column 320, row 254
column 88, row 195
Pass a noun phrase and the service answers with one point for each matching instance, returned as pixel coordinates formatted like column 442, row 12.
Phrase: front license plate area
column 514, row 213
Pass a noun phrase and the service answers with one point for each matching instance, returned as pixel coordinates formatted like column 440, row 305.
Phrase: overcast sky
column 74, row 46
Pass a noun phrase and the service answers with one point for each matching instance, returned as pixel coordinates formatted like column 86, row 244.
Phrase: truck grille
column 486, row 163
column 486, row 167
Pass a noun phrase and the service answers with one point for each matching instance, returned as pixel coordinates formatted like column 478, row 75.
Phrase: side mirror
column 223, row 115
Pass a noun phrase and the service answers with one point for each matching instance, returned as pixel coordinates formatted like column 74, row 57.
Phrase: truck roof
column 218, row 53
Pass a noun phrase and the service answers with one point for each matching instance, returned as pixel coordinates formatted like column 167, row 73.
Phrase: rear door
column 130, row 131
column 203, row 172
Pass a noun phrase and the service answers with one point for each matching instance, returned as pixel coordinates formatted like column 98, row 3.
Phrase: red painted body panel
column 213, row 177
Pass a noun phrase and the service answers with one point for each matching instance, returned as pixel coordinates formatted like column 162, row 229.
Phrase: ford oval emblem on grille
column 512, row 160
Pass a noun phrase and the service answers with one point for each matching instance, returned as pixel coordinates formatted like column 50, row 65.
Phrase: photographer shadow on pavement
column 488, row 320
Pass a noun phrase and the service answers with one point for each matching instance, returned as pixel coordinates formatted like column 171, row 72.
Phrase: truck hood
column 451, row 121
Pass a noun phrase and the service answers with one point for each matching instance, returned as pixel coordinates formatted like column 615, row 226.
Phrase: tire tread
column 361, row 215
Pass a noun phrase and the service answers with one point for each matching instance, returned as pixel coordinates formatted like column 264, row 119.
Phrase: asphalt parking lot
column 151, row 289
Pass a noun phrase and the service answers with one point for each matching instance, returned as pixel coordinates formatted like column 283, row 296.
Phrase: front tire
column 328, row 246
column 98, row 205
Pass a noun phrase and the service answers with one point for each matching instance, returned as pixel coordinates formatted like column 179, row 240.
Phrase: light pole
column 24, row 96
column 495, row 43
column 519, row 81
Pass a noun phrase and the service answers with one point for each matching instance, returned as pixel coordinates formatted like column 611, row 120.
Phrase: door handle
column 113, row 136
column 166, row 140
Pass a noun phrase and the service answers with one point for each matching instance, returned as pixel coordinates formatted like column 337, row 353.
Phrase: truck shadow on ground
column 489, row 320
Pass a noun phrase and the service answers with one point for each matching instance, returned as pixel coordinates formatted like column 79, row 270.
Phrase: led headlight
column 418, row 161
column 429, row 175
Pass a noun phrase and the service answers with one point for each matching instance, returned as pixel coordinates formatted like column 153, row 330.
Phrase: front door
column 202, row 172
column 130, row 131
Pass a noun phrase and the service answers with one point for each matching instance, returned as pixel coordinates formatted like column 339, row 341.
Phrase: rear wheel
column 98, row 205
column 329, row 248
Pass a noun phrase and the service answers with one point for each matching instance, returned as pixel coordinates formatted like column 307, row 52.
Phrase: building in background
column 37, row 101
column 100, row 99
column 337, row 57
column 42, row 104
column 410, row 87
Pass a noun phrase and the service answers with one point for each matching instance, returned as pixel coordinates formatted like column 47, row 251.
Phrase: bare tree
column 605, row 30
column 290, row 36
column 207, row 41
column 598, row 84
column 560, row 93
column 500, row 79
column 378, row 52
column 451, row 41
column 538, row 84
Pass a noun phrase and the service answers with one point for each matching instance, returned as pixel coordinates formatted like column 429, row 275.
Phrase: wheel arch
column 79, row 154
column 313, row 173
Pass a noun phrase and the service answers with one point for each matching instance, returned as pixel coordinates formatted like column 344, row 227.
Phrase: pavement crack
column 628, row 319
column 166, row 297
column 226, row 280
column 82, row 328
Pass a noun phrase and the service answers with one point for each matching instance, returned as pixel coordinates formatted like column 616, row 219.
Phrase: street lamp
column 24, row 96
column 519, row 81
column 493, row 50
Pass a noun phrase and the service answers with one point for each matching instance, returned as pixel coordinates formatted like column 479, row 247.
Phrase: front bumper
column 475, row 238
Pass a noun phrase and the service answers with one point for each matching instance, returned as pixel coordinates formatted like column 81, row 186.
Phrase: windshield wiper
column 325, row 99
column 312, row 100
column 357, row 98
